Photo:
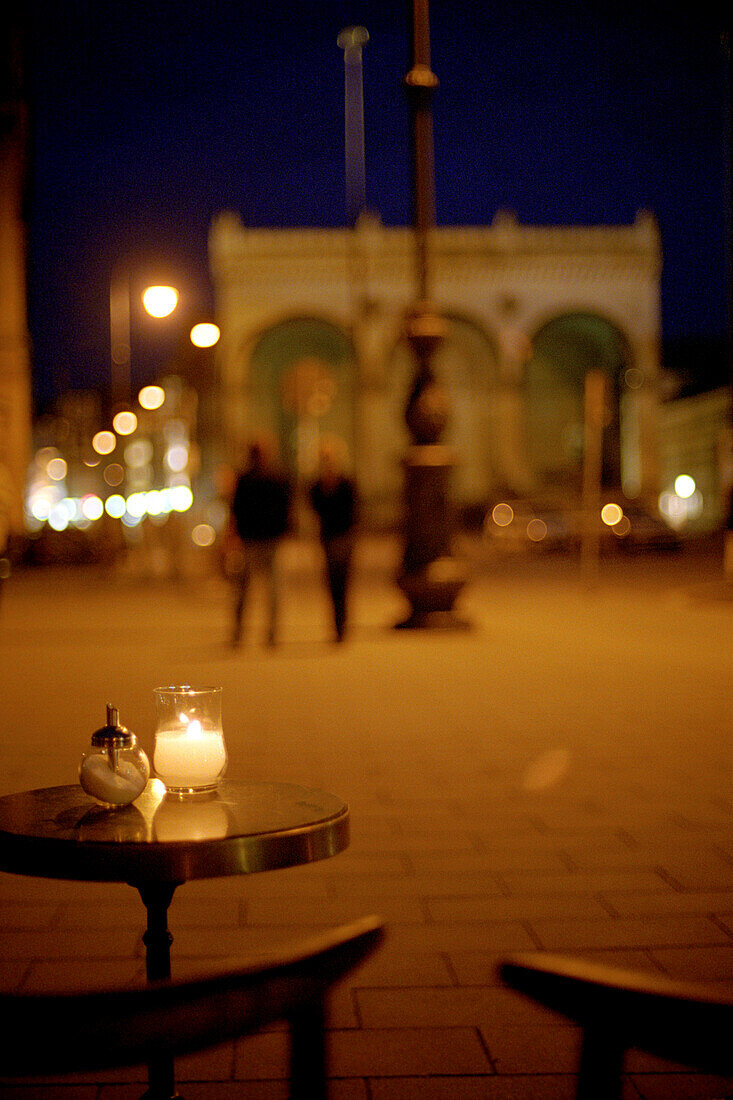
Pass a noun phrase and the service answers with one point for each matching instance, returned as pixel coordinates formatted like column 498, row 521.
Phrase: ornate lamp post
column 429, row 576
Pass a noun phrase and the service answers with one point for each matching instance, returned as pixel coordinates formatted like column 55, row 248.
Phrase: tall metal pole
column 352, row 40
column 119, row 330
column 429, row 576
column 421, row 83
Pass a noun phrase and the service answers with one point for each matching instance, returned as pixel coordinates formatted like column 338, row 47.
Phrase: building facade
column 313, row 343
column 15, row 361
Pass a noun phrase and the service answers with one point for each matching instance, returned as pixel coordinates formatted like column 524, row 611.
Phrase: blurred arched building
column 312, row 342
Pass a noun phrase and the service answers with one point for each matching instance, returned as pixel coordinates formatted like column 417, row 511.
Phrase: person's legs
column 268, row 563
column 338, row 560
column 240, row 595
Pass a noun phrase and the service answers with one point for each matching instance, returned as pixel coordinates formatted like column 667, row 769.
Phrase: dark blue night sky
column 151, row 117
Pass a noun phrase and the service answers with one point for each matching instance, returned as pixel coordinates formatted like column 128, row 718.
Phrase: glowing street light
column 684, row 486
column 160, row 301
column 205, row 335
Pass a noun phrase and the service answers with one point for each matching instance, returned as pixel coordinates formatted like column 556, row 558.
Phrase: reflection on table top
column 59, row 832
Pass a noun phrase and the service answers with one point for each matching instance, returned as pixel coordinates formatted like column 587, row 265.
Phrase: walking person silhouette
column 260, row 517
column 333, row 497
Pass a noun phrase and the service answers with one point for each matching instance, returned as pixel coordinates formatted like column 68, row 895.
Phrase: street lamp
column 429, row 576
column 159, row 301
column 205, row 334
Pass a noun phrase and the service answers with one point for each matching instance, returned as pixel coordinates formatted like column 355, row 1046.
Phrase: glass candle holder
column 190, row 754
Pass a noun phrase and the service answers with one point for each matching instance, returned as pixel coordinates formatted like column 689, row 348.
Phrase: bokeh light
column 154, row 502
column 92, row 507
column 115, row 506
column 57, row 469
column 104, row 443
column 138, row 453
column 611, row 514
column 634, row 378
column 679, row 509
column 160, row 301
column 177, row 457
column 125, row 422
column 58, row 517
column 114, row 474
column 684, row 486
column 502, row 515
column 136, row 505
column 536, row 530
column 205, row 335
column 203, row 534
column 151, row 397
column 181, row 498
column 41, row 505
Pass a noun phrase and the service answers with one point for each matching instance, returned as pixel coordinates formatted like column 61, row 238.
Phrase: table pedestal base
column 157, row 939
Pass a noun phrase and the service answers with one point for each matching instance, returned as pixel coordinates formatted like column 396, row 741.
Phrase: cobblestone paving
column 557, row 776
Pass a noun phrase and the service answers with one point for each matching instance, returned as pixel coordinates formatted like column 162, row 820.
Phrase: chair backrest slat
column 90, row 1031
column 685, row 1022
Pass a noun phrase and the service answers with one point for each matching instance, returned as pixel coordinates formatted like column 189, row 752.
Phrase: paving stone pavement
column 556, row 776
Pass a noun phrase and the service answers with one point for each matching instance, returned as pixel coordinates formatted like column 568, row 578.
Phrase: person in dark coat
column 260, row 516
column 333, row 497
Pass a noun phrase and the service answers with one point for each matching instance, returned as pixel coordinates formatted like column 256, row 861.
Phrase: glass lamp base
column 192, row 792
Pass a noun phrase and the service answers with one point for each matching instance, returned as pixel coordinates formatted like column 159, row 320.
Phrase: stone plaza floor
column 556, row 776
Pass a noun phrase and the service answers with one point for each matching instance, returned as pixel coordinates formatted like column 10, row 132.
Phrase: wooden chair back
column 69, row 1032
column 619, row 1010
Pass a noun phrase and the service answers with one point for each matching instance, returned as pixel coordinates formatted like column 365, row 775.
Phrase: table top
column 60, row 832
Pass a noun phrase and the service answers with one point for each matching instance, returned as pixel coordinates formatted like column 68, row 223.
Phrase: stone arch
column 302, row 383
column 564, row 350
column 467, row 364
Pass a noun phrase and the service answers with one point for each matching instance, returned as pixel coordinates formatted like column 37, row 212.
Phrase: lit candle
column 189, row 757
column 189, row 754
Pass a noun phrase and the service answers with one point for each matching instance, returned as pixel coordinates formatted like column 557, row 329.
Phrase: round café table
column 161, row 841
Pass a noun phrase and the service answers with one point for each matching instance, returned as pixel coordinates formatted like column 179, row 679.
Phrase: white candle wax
column 189, row 756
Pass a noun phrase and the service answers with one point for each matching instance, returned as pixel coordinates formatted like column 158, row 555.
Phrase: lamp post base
column 430, row 577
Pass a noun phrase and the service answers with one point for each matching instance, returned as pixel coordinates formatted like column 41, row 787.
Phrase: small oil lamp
column 115, row 770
